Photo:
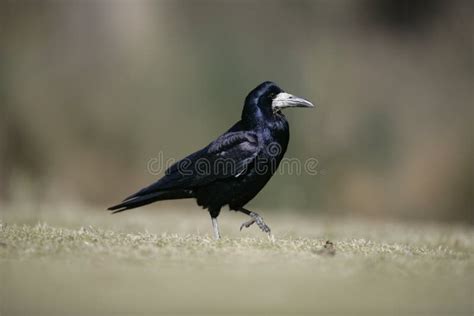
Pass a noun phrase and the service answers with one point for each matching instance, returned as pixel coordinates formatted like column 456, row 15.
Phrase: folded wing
column 227, row 156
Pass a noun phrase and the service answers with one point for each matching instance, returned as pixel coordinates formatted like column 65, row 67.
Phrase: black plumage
column 232, row 169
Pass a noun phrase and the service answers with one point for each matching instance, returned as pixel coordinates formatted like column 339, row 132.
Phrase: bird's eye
column 271, row 95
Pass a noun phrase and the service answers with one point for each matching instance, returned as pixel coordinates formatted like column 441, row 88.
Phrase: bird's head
column 268, row 99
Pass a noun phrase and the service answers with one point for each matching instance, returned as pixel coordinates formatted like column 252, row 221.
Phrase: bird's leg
column 255, row 218
column 215, row 226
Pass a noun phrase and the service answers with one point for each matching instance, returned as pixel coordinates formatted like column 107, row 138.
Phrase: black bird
column 233, row 168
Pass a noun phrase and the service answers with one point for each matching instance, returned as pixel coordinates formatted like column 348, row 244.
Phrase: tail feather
column 145, row 199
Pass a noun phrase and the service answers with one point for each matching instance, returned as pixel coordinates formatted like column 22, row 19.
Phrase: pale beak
column 286, row 100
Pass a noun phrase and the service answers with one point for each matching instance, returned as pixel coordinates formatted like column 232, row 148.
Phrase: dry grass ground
column 78, row 261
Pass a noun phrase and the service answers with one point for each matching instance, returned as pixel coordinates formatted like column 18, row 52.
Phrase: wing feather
column 227, row 156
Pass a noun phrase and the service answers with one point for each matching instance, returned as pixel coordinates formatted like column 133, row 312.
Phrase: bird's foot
column 255, row 218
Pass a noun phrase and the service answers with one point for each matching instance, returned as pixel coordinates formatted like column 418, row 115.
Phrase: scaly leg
column 215, row 226
column 255, row 218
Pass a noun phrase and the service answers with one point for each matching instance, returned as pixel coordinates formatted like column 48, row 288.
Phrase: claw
column 256, row 219
column 247, row 224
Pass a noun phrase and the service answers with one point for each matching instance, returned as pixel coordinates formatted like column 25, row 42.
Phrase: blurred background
column 91, row 91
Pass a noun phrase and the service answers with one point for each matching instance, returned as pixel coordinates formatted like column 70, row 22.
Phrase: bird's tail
column 145, row 199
